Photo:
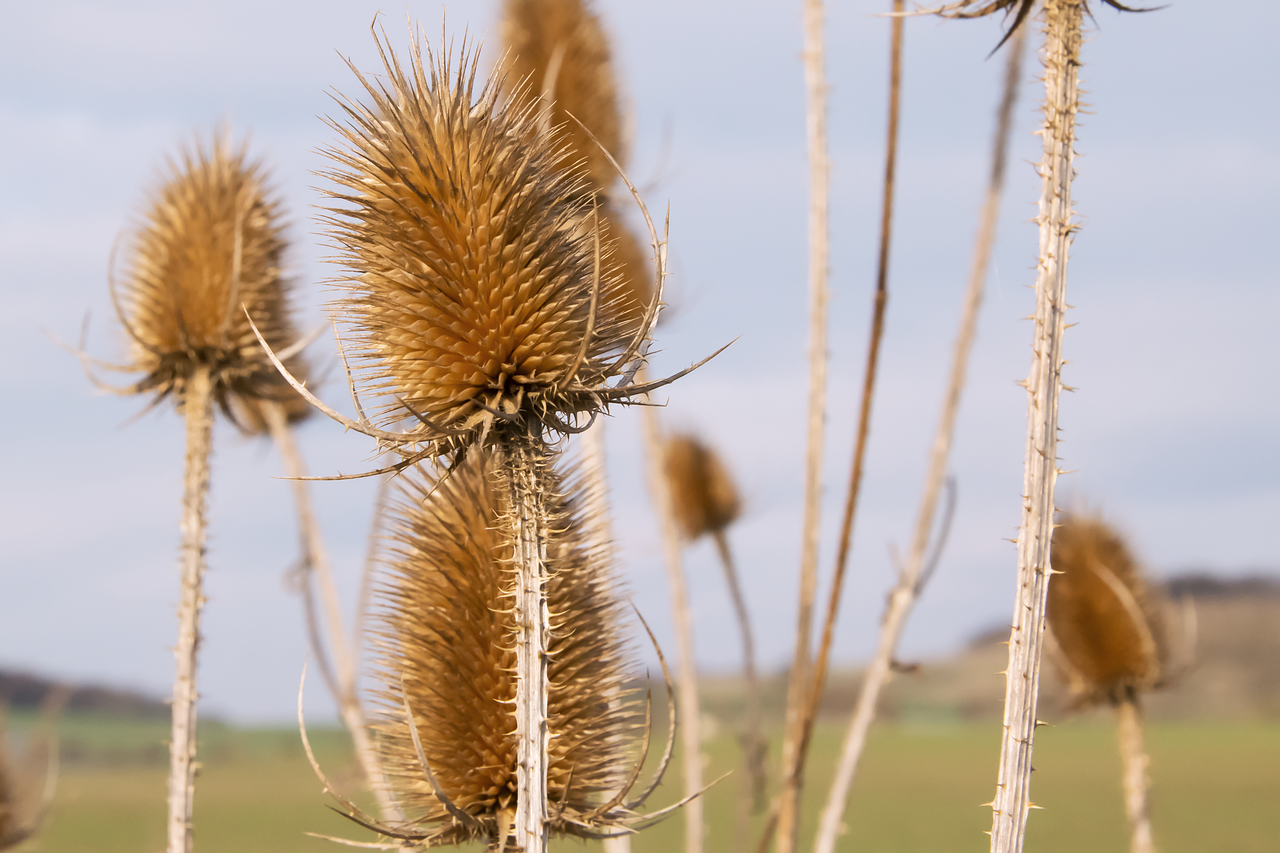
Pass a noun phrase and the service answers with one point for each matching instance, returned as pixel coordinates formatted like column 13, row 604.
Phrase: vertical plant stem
column 686, row 660
column 1133, row 756
column 317, row 568
column 797, row 689
column 1044, row 384
column 525, row 472
column 752, row 787
column 907, row 590
column 198, row 410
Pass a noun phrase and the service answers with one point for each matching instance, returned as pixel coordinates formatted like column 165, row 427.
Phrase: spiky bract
column 210, row 247
column 478, row 296
column 557, row 53
column 703, row 494
column 1020, row 10
column 1101, row 613
column 447, row 628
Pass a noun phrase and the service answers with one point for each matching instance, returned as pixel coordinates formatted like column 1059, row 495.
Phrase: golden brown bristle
column 1100, row 612
column 474, row 278
column 211, row 242
column 447, row 629
column 704, row 496
column 557, row 57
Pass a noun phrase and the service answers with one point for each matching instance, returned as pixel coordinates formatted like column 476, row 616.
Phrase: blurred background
column 1170, row 433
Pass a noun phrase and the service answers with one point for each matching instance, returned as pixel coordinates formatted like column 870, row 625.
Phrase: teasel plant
column 28, row 781
column 707, row 503
column 474, row 300
column 446, row 631
column 1063, row 20
column 203, row 285
column 789, row 797
column 1113, row 641
column 922, row 558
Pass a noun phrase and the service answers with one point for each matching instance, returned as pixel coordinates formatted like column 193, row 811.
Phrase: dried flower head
column 477, row 298
column 1019, row 9
column 447, row 638
column 1101, row 613
column 704, row 496
column 558, row 59
column 209, row 248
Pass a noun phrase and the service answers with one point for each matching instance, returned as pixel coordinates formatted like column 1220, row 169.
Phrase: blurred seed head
column 557, row 58
column 703, row 494
column 210, row 242
column 446, row 627
column 472, row 274
column 1104, row 618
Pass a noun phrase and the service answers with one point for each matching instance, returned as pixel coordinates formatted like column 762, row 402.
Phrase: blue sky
column 1171, row 431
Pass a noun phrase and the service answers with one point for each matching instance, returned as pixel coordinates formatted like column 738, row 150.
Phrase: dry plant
column 1113, row 644
column 206, row 259
column 1061, row 57
column 919, row 566
column 447, row 631
column 706, row 502
column 479, row 300
column 29, row 781
column 788, row 805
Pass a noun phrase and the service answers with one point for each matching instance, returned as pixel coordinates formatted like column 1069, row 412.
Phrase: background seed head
column 1113, row 643
column 472, row 271
column 446, row 627
column 210, row 242
column 704, row 495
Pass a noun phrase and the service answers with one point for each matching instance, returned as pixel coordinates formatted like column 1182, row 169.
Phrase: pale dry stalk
column 316, row 566
column 1133, row 757
column 198, row 410
column 686, row 697
column 908, row 588
column 1044, row 383
column 525, row 473
column 798, row 687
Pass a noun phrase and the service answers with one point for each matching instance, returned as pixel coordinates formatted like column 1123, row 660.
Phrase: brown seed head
column 558, row 57
column 1101, row 612
column 447, row 629
column 704, row 496
column 211, row 242
column 474, row 278
column 1020, row 10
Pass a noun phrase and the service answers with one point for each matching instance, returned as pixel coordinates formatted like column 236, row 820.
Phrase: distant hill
column 24, row 691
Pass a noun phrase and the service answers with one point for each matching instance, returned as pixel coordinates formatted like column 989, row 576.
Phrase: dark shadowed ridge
column 19, row 690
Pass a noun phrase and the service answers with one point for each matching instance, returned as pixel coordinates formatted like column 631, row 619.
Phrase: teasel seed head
column 703, row 494
column 1019, row 10
column 1106, row 621
column 477, row 297
column 446, row 633
column 557, row 58
column 209, row 248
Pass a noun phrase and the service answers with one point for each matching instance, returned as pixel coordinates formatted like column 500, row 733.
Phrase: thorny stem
column 1044, row 383
column 816, row 120
column 316, row 567
column 686, row 661
column 198, row 409
column 907, row 590
column 751, row 788
column 1133, row 756
column 525, row 472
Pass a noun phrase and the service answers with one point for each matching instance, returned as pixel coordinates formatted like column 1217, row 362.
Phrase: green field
column 1216, row 789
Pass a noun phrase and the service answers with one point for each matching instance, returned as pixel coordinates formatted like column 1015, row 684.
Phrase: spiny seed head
column 558, row 58
column 1101, row 612
column 473, row 251
column 446, row 631
column 1020, row 10
column 703, row 494
column 209, row 247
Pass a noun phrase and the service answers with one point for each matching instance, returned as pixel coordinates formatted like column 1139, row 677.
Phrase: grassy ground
column 1216, row 789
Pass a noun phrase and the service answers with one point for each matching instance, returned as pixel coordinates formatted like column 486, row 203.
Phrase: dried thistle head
column 704, row 496
column 1020, row 10
column 477, row 296
column 1101, row 613
column 447, row 635
column 557, row 58
column 210, row 242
